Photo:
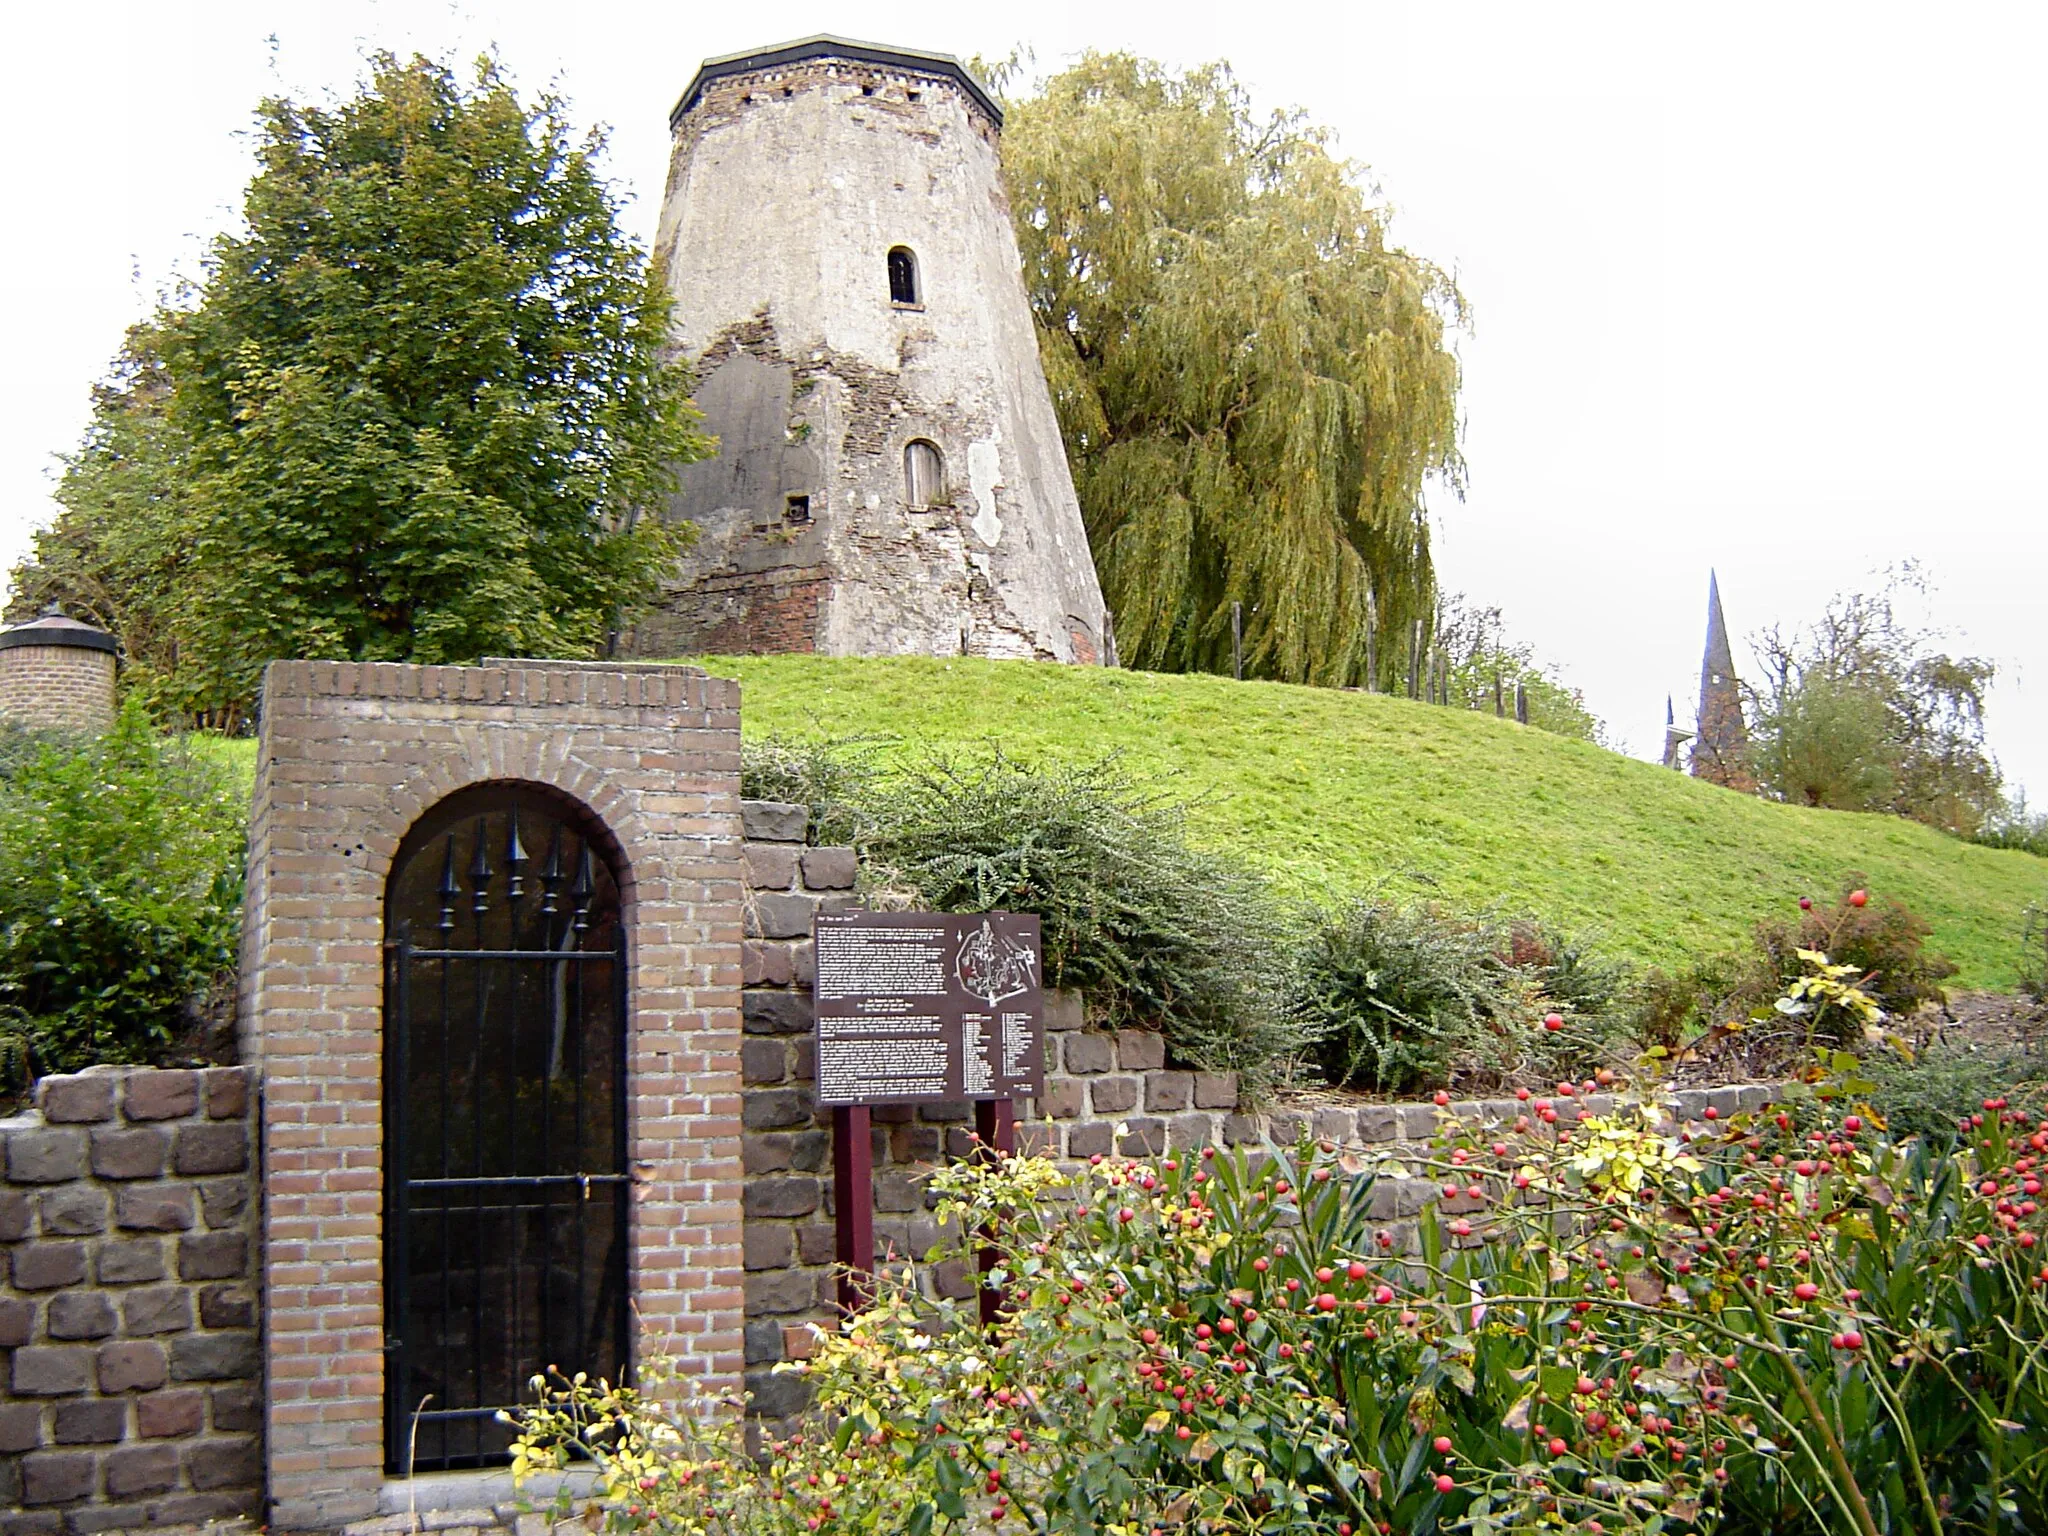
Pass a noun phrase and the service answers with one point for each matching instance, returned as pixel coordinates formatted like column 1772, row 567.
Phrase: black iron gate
column 505, row 1225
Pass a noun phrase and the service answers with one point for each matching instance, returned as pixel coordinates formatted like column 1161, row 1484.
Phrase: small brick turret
column 57, row 672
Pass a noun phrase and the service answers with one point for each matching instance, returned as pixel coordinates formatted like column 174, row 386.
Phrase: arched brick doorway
column 353, row 760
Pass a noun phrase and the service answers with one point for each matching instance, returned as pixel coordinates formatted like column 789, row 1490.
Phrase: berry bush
column 1781, row 1321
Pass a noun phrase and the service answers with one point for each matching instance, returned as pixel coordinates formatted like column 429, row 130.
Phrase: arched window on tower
column 924, row 475
column 902, row 276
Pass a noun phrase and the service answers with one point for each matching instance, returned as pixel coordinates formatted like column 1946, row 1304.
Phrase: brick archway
column 350, row 756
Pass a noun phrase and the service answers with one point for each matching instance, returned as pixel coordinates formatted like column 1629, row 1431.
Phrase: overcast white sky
column 1756, row 287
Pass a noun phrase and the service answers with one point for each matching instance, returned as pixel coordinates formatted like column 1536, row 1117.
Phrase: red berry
column 1806, row 1290
column 1558, row 1447
column 1806, row 903
column 1553, row 1022
column 1859, row 898
column 1443, row 1445
column 1442, row 1098
column 1355, row 1270
column 1445, row 1482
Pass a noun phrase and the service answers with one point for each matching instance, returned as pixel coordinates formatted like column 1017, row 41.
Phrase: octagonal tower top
column 826, row 46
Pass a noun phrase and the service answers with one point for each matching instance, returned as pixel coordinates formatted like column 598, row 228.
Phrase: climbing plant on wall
column 1253, row 384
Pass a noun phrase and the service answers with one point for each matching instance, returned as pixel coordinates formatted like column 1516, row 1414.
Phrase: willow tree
column 1254, row 386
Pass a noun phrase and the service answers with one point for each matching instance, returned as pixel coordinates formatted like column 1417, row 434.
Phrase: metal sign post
column 921, row 1008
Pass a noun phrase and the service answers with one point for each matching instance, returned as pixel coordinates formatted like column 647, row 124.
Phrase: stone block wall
column 129, row 1313
column 1094, row 1082
column 1105, row 1092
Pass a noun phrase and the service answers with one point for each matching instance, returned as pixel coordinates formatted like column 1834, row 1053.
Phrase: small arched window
column 902, row 276
column 924, row 475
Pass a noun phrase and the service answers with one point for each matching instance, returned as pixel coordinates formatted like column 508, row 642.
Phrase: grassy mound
column 1336, row 792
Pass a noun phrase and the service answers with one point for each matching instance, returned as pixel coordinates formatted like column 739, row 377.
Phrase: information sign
column 917, row 1007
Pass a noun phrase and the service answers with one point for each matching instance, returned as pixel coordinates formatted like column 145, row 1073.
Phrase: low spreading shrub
column 834, row 778
column 120, row 895
column 1730, row 1002
column 1932, row 1094
column 1397, row 998
column 1775, row 1321
column 1158, row 933
column 1400, row 998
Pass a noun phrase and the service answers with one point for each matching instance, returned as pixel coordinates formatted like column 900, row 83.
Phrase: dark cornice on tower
column 826, row 46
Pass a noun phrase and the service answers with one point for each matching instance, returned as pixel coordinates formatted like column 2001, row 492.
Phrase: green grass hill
column 1335, row 792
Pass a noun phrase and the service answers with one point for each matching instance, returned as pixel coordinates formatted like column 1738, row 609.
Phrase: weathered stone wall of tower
column 788, row 188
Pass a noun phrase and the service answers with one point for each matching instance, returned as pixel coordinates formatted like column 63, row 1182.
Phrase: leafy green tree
column 121, row 552
column 413, row 413
column 1863, row 712
column 1252, row 384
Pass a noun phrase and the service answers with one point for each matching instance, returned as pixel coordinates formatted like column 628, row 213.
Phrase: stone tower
column 1720, row 751
column 890, row 477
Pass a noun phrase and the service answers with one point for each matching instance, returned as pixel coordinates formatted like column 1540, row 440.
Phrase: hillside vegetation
column 1332, row 792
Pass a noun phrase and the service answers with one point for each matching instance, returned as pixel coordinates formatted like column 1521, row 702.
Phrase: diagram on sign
column 991, row 966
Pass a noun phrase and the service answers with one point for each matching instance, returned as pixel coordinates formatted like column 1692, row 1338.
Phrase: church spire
column 1674, row 738
column 1720, row 750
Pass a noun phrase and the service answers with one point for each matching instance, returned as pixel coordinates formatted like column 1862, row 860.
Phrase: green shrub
column 1931, row 1094
column 2014, row 825
column 120, row 894
column 1158, row 934
column 1570, row 971
column 1402, row 998
column 1399, row 998
column 1880, row 936
column 836, row 779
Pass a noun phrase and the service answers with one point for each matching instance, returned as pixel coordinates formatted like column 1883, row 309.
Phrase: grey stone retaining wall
column 129, row 1314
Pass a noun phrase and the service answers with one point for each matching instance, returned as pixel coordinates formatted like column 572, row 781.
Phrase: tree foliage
column 412, row 413
column 1863, row 712
column 1252, row 383
column 1483, row 667
column 120, row 893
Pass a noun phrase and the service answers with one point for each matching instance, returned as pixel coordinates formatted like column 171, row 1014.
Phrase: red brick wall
column 350, row 756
